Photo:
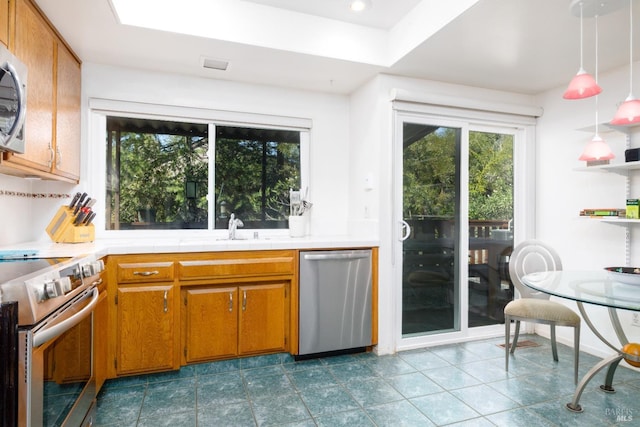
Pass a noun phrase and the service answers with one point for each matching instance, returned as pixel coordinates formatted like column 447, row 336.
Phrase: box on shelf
column 603, row 212
column 632, row 155
column 633, row 208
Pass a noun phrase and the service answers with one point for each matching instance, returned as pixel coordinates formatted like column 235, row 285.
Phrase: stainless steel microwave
column 13, row 102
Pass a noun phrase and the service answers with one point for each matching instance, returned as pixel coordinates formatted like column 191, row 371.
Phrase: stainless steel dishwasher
column 335, row 301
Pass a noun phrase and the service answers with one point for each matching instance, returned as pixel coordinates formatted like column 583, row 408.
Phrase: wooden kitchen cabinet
column 52, row 127
column 210, row 323
column 171, row 309
column 67, row 120
column 146, row 329
column 236, row 303
column 4, row 22
column 262, row 318
column 144, row 315
column 225, row 322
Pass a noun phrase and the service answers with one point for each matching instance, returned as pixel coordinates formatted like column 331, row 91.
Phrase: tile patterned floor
column 454, row 385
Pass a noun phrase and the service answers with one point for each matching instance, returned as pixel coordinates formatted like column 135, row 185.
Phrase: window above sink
column 177, row 174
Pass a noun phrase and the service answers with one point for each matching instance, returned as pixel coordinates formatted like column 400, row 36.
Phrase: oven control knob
column 41, row 294
column 50, row 290
column 93, row 268
column 63, row 285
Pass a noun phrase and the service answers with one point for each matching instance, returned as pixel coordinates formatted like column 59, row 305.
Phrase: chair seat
column 543, row 310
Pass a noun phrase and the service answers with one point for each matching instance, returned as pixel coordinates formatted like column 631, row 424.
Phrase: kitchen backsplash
column 26, row 207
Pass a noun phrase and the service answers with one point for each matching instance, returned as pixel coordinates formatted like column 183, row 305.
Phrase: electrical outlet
column 635, row 319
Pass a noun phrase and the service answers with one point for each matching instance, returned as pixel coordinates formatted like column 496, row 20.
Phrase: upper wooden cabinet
column 52, row 126
column 4, row 22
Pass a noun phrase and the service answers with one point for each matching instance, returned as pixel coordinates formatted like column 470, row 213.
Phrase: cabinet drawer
column 238, row 266
column 145, row 272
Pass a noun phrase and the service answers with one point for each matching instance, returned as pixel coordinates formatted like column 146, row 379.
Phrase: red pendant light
column 629, row 111
column 583, row 85
column 597, row 149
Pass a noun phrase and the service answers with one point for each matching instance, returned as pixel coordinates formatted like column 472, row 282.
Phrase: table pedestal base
column 612, row 361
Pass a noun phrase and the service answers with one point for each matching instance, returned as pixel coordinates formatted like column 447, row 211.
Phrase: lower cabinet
column 228, row 321
column 262, row 318
column 145, row 328
column 168, row 310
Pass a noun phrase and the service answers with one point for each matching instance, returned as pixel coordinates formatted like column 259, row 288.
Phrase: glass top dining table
column 600, row 288
column 592, row 287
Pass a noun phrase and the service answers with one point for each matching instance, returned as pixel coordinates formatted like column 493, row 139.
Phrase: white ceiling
column 524, row 46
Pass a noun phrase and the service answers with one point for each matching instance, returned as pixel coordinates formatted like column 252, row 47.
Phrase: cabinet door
column 67, row 141
column 262, row 318
column 4, row 22
column 145, row 328
column 34, row 45
column 211, row 317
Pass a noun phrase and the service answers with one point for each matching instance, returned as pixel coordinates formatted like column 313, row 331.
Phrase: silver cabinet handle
column 244, row 300
column 230, row 301
column 58, row 156
column 166, row 305
column 145, row 273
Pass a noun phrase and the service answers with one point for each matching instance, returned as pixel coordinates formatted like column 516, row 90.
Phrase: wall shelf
column 623, row 169
column 620, row 168
column 617, row 221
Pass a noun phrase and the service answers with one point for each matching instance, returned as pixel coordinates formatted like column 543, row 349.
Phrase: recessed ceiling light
column 359, row 5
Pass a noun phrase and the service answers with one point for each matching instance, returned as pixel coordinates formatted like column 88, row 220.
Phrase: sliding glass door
column 431, row 216
column 454, row 182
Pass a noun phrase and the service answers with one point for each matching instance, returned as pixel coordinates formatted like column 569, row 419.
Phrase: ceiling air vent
column 215, row 64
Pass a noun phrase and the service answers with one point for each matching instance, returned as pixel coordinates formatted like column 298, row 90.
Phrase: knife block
column 62, row 230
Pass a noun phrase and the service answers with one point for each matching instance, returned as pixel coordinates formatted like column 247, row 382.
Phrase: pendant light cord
column 581, row 37
column 630, row 48
column 596, row 75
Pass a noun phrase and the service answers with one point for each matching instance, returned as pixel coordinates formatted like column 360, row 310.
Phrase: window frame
column 94, row 164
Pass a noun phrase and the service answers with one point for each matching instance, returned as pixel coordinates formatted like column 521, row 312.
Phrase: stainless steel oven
column 56, row 384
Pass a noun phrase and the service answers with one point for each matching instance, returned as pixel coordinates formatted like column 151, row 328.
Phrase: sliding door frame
column 468, row 120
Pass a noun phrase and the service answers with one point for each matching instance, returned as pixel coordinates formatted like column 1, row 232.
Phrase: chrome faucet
column 234, row 223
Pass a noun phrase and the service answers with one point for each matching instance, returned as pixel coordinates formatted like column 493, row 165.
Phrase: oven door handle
column 52, row 332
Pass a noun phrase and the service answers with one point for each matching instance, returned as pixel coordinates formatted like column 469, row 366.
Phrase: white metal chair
column 533, row 256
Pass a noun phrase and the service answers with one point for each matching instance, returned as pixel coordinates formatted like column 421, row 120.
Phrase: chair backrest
column 532, row 256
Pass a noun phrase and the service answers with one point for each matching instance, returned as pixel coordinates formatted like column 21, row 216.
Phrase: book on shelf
column 606, row 212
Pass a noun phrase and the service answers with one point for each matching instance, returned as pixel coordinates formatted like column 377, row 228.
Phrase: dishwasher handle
column 337, row 256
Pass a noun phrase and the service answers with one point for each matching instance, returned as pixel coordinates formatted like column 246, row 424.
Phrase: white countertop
column 122, row 246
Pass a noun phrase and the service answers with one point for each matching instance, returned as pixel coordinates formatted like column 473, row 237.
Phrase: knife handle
column 75, row 199
column 89, row 218
column 79, row 218
column 79, row 204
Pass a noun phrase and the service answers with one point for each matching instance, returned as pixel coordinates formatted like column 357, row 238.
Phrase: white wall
column 329, row 147
column 329, row 152
column 562, row 192
column 27, row 206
